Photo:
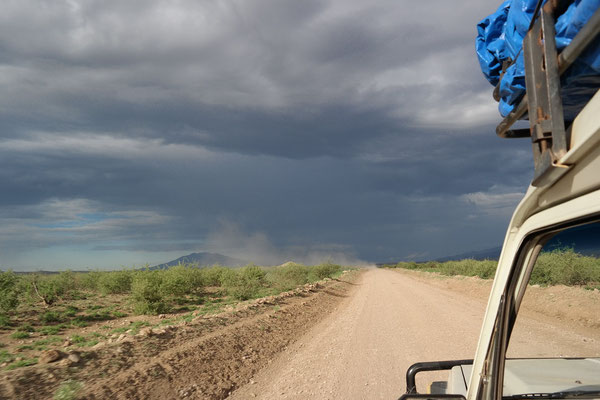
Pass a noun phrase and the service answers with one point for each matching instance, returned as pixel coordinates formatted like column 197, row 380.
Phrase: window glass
column 559, row 318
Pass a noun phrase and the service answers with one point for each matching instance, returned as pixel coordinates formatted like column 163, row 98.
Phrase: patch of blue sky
column 62, row 224
column 94, row 217
column 81, row 221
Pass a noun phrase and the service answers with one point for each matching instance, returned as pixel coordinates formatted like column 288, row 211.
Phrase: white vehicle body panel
column 575, row 195
column 548, row 375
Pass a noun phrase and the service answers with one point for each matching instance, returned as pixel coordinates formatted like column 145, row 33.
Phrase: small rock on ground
column 74, row 357
column 50, row 356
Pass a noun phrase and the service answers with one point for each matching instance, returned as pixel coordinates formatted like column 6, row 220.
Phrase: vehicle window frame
column 512, row 297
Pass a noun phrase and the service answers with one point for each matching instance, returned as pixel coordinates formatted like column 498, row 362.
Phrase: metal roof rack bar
column 542, row 81
column 503, row 128
column 579, row 43
column 542, row 103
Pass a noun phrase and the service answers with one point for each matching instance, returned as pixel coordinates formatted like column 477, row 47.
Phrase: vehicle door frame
column 522, row 246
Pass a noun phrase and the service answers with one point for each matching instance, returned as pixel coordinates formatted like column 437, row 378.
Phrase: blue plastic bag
column 500, row 37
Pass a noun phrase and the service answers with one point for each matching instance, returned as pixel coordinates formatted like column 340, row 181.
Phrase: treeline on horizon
column 154, row 291
column 557, row 267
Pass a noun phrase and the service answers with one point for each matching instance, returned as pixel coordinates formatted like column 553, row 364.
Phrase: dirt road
column 389, row 321
column 349, row 338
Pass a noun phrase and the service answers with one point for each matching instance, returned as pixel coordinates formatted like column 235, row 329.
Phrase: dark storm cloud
column 143, row 126
column 219, row 69
column 151, row 194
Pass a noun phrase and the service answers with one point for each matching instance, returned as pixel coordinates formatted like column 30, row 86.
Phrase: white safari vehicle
column 564, row 193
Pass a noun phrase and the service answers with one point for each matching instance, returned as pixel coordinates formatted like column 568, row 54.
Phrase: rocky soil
column 395, row 318
column 205, row 358
column 348, row 338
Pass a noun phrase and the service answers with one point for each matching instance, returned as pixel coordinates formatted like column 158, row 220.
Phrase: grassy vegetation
column 42, row 311
column 68, row 390
column 22, row 363
column 484, row 269
column 50, row 304
column 557, row 267
column 566, row 267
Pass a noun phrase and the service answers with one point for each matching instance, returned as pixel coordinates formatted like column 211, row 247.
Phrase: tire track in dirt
column 352, row 339
column 204, row 359
column 392, row 320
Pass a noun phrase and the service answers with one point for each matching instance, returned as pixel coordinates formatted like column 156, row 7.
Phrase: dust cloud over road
column 387, row 322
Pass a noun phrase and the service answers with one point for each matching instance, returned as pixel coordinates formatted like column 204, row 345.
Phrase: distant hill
column 203, row 259
column 584, row 240
column 487, row 254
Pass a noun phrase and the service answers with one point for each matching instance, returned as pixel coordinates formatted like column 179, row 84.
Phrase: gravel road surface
column 387, row 322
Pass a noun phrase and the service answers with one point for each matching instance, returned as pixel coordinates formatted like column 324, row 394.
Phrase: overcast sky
column 135, row 132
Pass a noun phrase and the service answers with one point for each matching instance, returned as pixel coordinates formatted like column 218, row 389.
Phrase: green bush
column 227, row 277
column 326, row 270
column 565, row 266
column 181, row 280
column 91, row 280
column 213, row 276
column 42, row 288
column 147, row 293
column 289, row 276
column 486, row 269
column 557, row 267
column 9, row 291
column 50, row 288
column 245, row 283
column 66, row 281
column 468, row 267
column 409, row 265
column 115, row 282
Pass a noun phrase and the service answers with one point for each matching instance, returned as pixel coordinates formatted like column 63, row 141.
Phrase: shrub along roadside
column 293, row 275
column 147, row 294
column 557, row 267
column 41, row 308
column 147, row 291
column 566, row 267
column 247, row 283
column 9, row 292
column 288, row 277
column 114, row 282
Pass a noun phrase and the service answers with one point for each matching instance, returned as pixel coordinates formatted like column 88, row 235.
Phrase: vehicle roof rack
column 542, row 102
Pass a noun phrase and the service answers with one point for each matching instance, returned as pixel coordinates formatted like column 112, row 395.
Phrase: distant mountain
column 583, row 239
column 487, row 254
column 203, row 259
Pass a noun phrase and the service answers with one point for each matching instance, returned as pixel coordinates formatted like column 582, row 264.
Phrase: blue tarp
column 500, row 37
